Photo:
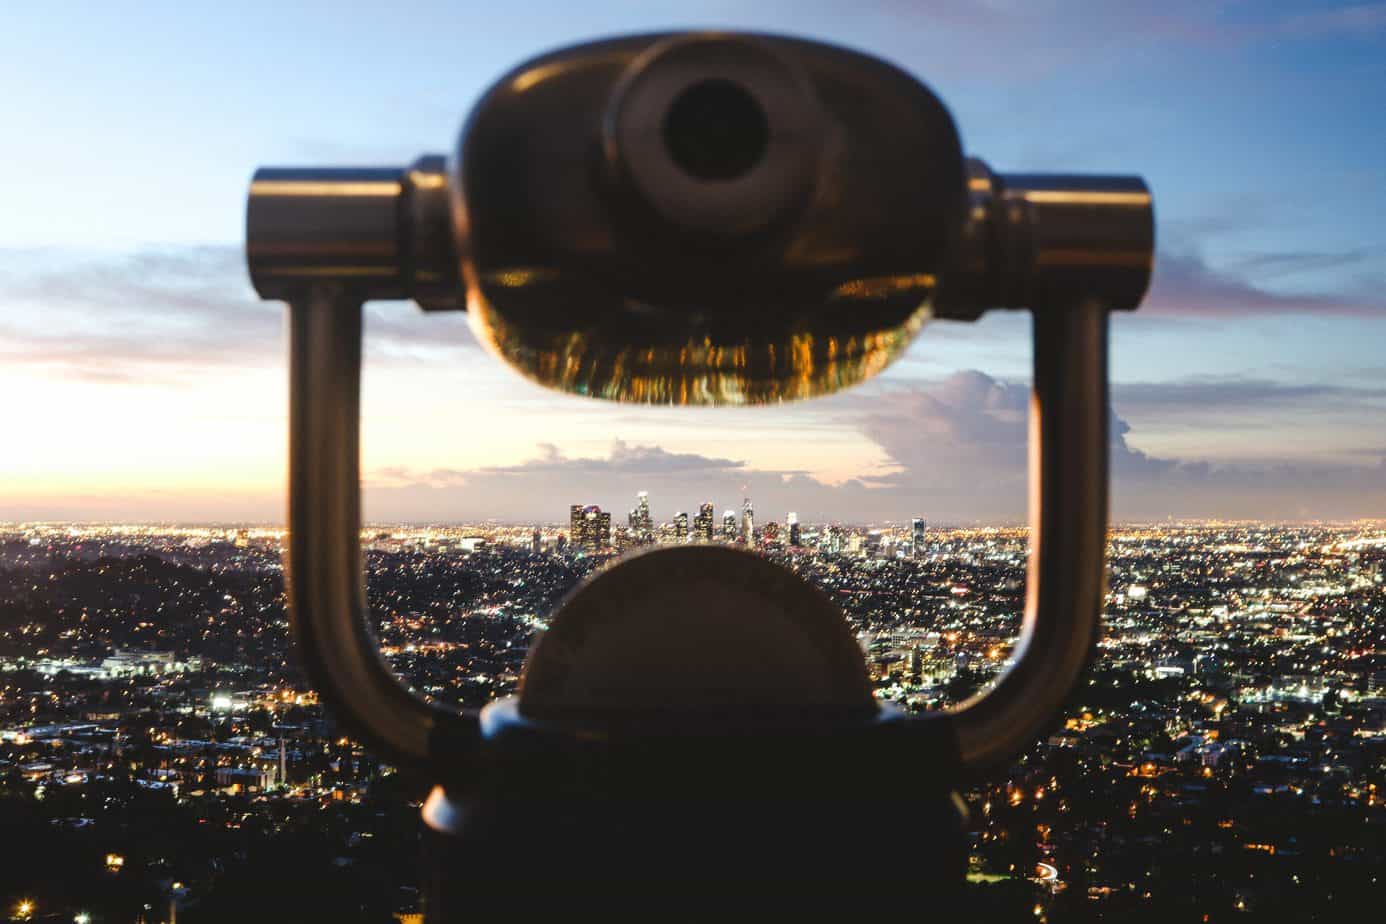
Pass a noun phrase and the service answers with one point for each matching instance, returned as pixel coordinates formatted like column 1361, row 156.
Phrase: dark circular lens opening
column 715, row 130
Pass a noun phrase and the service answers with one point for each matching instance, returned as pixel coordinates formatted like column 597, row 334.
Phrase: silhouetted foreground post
column 699, row 219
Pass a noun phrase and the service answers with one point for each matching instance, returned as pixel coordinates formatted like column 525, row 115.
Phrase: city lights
column 1244, row 682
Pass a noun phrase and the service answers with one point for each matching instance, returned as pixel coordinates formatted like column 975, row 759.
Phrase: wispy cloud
column 1186, row 285
column 551, row 463
column 623, row 458
column 1218, row 393
column 161, row 312
column 958, row 450
column 1281, row 264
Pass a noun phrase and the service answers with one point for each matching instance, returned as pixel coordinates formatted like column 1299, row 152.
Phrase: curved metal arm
column 1068, row 532
column 327, row 601
column 1073, row 248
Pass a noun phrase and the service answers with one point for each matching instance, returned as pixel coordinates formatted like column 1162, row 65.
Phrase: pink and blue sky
column 143, row 380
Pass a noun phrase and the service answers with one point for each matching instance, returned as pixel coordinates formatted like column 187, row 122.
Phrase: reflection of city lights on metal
column 81, row 918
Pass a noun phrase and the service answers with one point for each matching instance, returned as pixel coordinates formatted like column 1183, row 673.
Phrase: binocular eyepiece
column 702, row 219
column 711, row 140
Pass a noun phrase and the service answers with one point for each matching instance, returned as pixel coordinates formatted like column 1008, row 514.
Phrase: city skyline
column 1228, row 753
column 148, row 382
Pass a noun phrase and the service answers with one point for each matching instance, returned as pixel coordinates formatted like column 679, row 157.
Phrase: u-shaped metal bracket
column 329, row 616
column 1071, row 249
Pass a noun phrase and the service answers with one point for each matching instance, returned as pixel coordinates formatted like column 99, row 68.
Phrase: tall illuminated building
column 642, row 509
column 593, row 532
column 729, row 525
column 642, row 526
column 703, row 524
column 536, row 542
column 917, row 536
column 791, row 526
column 748, row 521
column 575, row 525
column 591, row 523
column 681, row 526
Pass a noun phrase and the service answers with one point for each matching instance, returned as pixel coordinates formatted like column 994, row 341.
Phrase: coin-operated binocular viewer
column 708, row 219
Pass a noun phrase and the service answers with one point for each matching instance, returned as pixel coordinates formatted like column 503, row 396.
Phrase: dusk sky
column 144, row 380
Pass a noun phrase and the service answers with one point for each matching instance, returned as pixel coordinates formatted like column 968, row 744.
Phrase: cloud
column 1185, row 285
column 624, row 459
column 551, row 469
column 969, row 431
column 165, row 311
column 1202, row 394
column 958, row 451
column 1271, row 265
column 956, row 447
column 968, row 435
column 544, row 485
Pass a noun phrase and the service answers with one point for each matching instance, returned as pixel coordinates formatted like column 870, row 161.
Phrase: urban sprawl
column 161, row 755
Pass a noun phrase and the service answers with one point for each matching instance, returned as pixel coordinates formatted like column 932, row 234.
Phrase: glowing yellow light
column 324, row 188
column 1077, row 197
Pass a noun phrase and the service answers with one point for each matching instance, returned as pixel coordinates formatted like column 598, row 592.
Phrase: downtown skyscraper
column 640, row 522
column 589, row 527
column 704, row 523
